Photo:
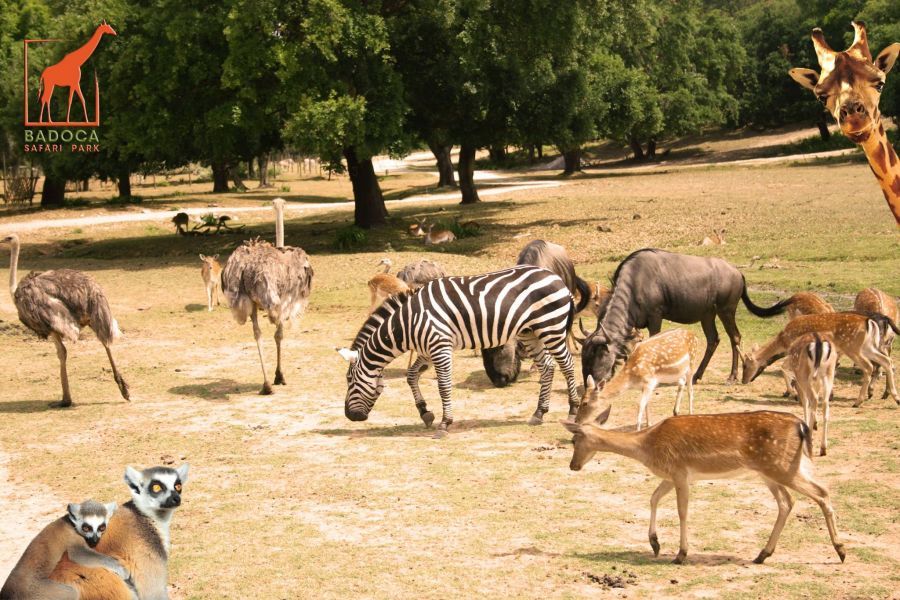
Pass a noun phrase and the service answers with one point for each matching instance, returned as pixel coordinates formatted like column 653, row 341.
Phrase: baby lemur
column 138, row 536
column 74, row 535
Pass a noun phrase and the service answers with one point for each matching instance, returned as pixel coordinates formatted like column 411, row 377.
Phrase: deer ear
column 571, row 426
column 805, row 77
column 604, row 416
column 202, row 257
column 589, row 383
column 351, row 356
column 886, row 59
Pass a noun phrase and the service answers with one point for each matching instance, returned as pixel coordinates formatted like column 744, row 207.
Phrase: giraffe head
column 850, row 82
column 105, row 27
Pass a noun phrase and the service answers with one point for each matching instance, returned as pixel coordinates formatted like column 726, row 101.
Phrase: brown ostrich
column 275, row 279
column 57, row 304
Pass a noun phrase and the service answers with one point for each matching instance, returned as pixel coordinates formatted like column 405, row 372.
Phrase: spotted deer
column 666, row 358
column 855, row 335
column 807, row 303
column 873, row 300
column 812, row 358
column 433, row 236
column 384, row 285
column 211, row 272
column 679, row 450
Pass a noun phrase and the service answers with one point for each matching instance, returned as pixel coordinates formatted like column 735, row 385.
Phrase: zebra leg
column 413, row 372
column 443, row 368
column 545, row 364
column 563, row 358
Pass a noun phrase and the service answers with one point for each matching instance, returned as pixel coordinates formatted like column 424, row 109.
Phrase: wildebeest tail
column 759, row 311
column 584, row 290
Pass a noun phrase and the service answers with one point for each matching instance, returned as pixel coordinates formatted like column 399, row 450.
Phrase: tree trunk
column 124, row 183
column 573, row 161
column 497, row 154
column 467, row 174
column 636, row 148
column 531, row 154
column 540, row 149
column 444, row 164
column 262, row 165
column 250, row 168
column 220, row 177
column 369, row 210
column 53, row 193
column 236, row 178
column 651, row 149
column 822, row 124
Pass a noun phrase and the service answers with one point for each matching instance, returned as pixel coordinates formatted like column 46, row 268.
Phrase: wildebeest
column 504, row 363
column 651, row 285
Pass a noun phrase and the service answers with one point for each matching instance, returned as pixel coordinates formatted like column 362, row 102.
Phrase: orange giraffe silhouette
column 67, row 73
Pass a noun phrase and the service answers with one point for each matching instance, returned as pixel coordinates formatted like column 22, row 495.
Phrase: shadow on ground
column 219, row 390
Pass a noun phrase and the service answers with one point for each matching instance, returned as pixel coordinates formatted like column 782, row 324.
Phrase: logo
column 65, row 76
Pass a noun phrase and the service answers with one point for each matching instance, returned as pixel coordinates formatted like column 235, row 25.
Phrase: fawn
column 812, row 358
column 211, row 271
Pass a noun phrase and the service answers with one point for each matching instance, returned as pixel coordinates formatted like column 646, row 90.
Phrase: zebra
column 455, row 313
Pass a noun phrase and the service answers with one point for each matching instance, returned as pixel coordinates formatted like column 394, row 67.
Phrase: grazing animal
column 274, row 279
column 74, row 535
column 137, row 536
column 455, row 313
column 384, row 285
column 503, row 364
column 679, row 450
column 668, row 357
column 57, row 304
column 717, row 239
column 416, row 274
column 181, row 221
column 651, row 285
column 806, row 303
column 873, row 300
column 433, row 236
column 211, row 272
column 812, row 358
column 849, row 86
column 855, row 335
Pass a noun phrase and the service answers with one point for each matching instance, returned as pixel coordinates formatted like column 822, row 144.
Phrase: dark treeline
column 225, row 83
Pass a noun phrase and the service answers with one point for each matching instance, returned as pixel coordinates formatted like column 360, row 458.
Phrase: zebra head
column 363, row 387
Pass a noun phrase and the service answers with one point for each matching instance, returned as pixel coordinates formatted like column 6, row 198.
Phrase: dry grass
column 289, row 499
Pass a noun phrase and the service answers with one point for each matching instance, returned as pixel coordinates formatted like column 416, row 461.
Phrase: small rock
column 167, row 459
column 636, row 217
column 604, row 228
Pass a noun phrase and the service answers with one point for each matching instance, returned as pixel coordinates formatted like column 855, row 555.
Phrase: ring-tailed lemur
column 75, row 535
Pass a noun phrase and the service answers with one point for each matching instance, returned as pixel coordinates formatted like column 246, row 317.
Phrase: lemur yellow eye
column 156, row 488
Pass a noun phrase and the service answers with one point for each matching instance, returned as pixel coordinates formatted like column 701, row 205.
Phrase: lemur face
column 90, row 519
column 157, row 488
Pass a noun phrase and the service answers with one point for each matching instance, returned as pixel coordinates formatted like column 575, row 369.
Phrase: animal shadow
column 194, row 307
column 37, row 406
column 219, row 390
column 417, row 429
column 647, row 558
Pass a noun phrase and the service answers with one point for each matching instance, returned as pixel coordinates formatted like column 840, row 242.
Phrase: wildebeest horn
column 584, row 331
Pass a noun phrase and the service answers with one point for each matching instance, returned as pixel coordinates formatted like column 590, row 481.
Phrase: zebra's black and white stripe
column 455, row 313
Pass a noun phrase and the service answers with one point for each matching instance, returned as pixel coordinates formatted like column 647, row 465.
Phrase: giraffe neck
column 81, row 55
column 885, row 166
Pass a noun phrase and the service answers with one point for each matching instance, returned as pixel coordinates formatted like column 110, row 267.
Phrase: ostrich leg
column 279, row 335
column 257, row 333
column 120, row 381
column 63, row 376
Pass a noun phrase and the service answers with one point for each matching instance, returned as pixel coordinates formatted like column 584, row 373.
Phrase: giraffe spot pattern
column 880, row 158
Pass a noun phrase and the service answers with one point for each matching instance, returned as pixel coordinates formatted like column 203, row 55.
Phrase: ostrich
column 57, row 304
column 275, row 279
column 417, row 274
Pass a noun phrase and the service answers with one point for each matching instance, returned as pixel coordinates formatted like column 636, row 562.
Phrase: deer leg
column 63, row 375
column 712, row 340
column 884, row 361
column 257, row 334
column 279, row 335
column 646, row 394
column 665, row 486
column 413, row 373
column 690, row 387
column 734, row 336
column 785, row 504
column 827, row 387
column 443, row 368
column 120, row 381
column 866, row 367
column 208, row 299
column 886, row 349
column 678, row 396
column 683, row 493
column 806, row 485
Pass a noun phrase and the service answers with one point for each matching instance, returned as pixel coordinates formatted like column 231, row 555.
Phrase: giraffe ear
column 887, row 58
column 805, row 77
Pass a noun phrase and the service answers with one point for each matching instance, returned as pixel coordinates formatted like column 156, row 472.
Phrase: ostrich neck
column 13, row 267
column 885, row 166
column 279, row 225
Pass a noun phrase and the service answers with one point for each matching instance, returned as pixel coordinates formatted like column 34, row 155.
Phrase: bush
column 461, row 230
column 350, row 237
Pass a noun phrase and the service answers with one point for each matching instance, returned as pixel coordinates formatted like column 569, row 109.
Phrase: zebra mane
column 380, row 315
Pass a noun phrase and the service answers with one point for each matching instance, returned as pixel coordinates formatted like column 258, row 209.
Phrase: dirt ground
column 288, row 499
